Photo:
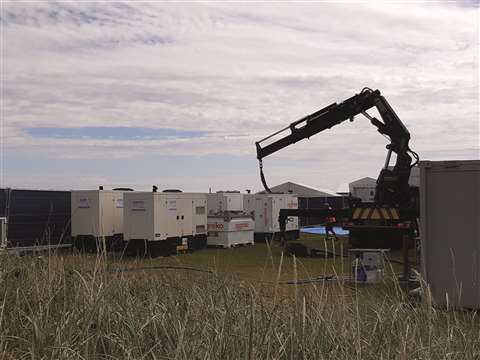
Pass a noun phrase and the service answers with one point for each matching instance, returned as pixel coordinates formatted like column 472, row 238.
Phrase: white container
column 230, row 231
column 158, row 216
column 97, row 213
column 224, row 201
column 266, row 208
column 450, row 231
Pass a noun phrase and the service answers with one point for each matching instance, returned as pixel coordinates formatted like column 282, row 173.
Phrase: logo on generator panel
column 84, row 203
column 242, row 226
column 215, row 226
column 292, row 204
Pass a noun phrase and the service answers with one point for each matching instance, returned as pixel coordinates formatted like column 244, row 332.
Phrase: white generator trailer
column 97, row 219
column 265, row 209
column 164, row 223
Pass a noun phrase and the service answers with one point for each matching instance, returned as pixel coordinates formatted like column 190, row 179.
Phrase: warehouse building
column 300, row 190
column 364, row 188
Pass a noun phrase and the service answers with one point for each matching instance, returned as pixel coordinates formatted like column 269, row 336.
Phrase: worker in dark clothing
column 330, row 222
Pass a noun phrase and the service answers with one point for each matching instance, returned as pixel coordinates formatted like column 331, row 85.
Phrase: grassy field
column 76, row 306
column 259, row 262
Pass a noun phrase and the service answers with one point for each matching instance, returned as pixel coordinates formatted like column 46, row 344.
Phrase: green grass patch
column 261, row 261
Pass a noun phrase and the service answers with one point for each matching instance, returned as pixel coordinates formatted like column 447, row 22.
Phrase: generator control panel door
column 172, row 217
column 199, row 216
column 107, row 214
column 185, row 221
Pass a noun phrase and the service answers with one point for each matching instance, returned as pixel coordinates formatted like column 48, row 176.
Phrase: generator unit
column 163, row 223
column 97, row 219
column 228, row 224
column 224, row 201
column 450, row 231
column 265, row 209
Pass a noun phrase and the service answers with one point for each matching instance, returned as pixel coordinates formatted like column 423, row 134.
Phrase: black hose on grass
column 329, row 278
column 309, row 281
column 288, row 282
column 163, row 267
column 330, row 253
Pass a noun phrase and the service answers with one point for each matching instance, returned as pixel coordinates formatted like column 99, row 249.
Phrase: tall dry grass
column 79, row 307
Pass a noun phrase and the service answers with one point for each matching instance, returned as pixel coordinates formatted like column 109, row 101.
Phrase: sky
column 176, row 93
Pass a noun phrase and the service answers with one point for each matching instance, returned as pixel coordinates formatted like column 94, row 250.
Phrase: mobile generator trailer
column 163, row 223
column 265, row 209
column 97, row 219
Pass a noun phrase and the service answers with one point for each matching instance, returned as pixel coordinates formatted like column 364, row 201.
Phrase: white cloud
column 233, row 69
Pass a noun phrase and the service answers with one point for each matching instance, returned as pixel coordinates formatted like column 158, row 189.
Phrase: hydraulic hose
column 262, row 177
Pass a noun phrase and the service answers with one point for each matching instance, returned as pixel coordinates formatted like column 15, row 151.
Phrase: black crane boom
column 392, row 184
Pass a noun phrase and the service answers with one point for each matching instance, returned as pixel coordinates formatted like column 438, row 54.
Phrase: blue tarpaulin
column 321, row 230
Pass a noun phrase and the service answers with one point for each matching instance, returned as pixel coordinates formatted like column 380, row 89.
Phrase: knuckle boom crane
column 392, row 188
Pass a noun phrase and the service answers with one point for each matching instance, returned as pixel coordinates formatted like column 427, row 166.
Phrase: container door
column 261, row 214
column 85, row 213
column 172, row 216
column 277, row 204
column 185, row 216
column 107, row 214
column 246, row 203
column 212, row 203
column 266, row 214
column 139, row 221
column 250, row 204
column 199, row 215
column 118, row 213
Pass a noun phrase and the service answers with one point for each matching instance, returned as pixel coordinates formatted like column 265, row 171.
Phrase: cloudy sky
column 177, row 93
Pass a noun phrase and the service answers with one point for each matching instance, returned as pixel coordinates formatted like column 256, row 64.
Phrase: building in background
column 300, row 190
column 363, row 188
column 311, row 198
